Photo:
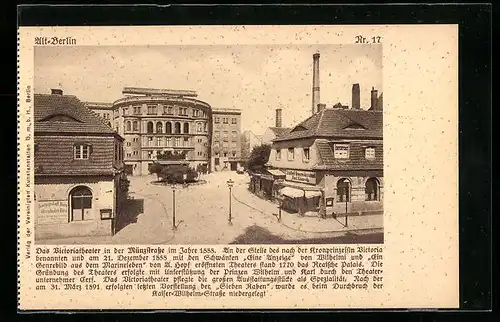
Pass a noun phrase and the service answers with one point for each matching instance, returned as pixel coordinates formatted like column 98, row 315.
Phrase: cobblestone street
column 202, row 213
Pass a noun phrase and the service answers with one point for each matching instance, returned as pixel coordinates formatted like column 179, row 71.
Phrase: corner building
column 159, row 120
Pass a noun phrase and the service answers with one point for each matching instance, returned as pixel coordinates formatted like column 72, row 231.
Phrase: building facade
column 248, row 141
column 79, row 179
column 154, row 121
column 226, row 139
column 332, row 163
column 104, row 110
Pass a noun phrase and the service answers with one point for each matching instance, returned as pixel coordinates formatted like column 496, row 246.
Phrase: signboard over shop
column 301, row 176
column 52, row 212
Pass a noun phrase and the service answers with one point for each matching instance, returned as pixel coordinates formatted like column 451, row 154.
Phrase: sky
column 255, row 79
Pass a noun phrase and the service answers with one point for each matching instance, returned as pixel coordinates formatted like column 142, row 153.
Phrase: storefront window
column 343, row 190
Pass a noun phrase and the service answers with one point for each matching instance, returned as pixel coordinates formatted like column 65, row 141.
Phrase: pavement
column 202, row 217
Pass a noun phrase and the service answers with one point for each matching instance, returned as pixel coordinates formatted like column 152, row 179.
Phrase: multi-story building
column 249, row 140
column 154, row 121
column 78, row 169
column 226, row 139
column 103, row 110
column 331, row 161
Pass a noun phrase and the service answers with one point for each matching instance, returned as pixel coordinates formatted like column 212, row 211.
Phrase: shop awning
column 276, row 172
column 292, row 192
column 311, row 194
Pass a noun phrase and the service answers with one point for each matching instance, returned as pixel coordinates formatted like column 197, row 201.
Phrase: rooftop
column 66, row 114
column 158, row 91
column 280, row 131
column 338, row 123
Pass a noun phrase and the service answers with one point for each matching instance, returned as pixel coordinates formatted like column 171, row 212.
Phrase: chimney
column 321, row 107
column 374, row 99
column 355, row 97
column 56, row 91
column 315, row 87
column 278, row 117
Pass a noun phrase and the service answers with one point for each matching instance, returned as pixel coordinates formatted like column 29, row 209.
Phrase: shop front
column 300, row 193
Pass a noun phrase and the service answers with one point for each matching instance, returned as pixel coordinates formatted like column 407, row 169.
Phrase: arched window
column 150, row 127
column 372, row 190
column 81, row 203
column 198, row 127
column 177, row 127
column 186, row 127
column 343, row 190
column 136, row 126
column 168, row 127
column 129, row 126
column 205, row 127
column 159, row 127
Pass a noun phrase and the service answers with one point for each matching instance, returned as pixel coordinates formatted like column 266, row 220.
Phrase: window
column 341, row 151
column 177, row 127
column 196, row 113
column 233, row 120
column 136, row 126
column 135, row 152
column 234, row 153
column 224, row 144
column 129, row 144
column 200, row 140
column 152, row 110
column 372, row 189
column 183, row 111
column 125, row 111
column 167, row 110
column 150, row 127
column 150, row 141
column 150, row 154
column 186, row 141
column 216, row 134
column 159, row 127
column 129, row 126
column 306, row 154
column 233, row 144
column 216, row 144
column 168, row 128
column 81, row 151
column 278, row 154
column 205, row 127
column 291, row 154
column 225, row 120
column 177, row 142
column 226, row 134
column 225, row 154
column 186, row 127
column 137, row 110
column 169, row 141
column 136, row 139
column 343, row 190
column 234, row 134
column 128, row 155
column 81, row 204
column 159, row 141
column 370, row 153
column 199, row 153
column 216, row 119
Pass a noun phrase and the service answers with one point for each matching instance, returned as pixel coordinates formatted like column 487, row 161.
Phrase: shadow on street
column 259, row 235
column 132, row 208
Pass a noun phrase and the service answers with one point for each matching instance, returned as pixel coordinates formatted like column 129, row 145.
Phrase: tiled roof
column 54, row 155
column 66, row 113
column 339, row 123
column 280, row 131
column 356, row 161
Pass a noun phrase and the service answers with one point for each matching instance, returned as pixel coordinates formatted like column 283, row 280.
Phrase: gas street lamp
column 174, row 227
column 230, row 184
column 346, row 198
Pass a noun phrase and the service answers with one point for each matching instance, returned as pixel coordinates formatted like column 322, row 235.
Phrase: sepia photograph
column 208, row 144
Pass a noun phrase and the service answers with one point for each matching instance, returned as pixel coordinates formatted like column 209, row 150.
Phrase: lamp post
column 346, row 198
column 174, row 227
column 230, row 185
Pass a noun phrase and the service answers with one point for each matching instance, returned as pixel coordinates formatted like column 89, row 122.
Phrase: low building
column 226, row 139
column 276, row 131
column 79, row 179
column 332, row 162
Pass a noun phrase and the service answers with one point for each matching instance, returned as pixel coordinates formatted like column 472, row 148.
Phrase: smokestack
column 355, row 97
column 56, row 91
column 315, row 87
column 321, row 107
column 374, row 99
column 278, row 117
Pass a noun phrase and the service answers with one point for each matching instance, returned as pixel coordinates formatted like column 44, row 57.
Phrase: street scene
column 217, row 159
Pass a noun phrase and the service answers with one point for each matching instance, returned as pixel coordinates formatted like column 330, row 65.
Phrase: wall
column 58, row 188
column 357, row 180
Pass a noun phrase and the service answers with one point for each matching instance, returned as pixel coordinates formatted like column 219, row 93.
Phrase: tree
column 174, row 173
column 259, row 157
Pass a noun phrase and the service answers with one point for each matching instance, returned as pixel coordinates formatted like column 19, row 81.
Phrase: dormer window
column 370, row 153
column 341, row 151
column 81, row 151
